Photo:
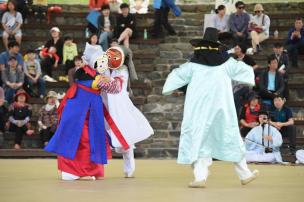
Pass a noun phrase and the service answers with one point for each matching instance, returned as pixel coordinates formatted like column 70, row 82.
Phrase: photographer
column 263, row 142
column 283, row 121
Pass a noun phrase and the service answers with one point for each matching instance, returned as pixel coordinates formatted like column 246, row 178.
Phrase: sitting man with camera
column 263, row 142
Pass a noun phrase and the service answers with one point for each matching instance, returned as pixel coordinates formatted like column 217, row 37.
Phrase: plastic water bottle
column 87, row 33
column 145, row 34
column 276, row 34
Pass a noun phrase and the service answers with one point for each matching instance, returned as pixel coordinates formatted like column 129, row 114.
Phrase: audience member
column 139, row 6
column 78, row 64
column 48, row 118
column 282, row 57
column 13, row 50
column 49, row 62
column 239, row 22
column 259, row 28
column 106, row 25
column 97, row 4
column 3, row 111
column 295, row 41
column 271, row 82
column 282, row 119
column 13, row 79
column 69, row 52
column 241, row 91
column 126, row 25
column 115, row 5
column 249, row 114
column 91, row 48
column 39, row 8
column 11, row 22
column 162, row 9
column 33, row 75
column 221, row 23
column 57, row 42
column 19, row 117
column 263, row 142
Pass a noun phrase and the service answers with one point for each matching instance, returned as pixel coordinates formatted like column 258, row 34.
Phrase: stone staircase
column 154, row 59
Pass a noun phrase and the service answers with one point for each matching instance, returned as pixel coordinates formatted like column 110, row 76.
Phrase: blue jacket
column 289, row 41
column 67, row 137
column 168, row 3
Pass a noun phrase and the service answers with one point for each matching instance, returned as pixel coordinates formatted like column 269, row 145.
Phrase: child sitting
column 69, row 52
column 48, row 118
column 19, row 117
column 33, row 74
column 49, row 61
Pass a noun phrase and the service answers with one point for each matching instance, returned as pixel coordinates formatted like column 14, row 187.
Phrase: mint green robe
column 210, row 125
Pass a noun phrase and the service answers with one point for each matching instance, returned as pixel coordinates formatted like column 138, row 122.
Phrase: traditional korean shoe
column 197, row 184
column 129, row 175
column 255, row 174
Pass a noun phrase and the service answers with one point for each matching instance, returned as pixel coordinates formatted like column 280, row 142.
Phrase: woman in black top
column 19, row 117
column 126, row 25
column 57, row 42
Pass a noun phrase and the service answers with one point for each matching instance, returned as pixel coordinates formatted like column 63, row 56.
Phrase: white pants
column 129, row 161
column 201, row 172
column 253, row 156
column 300, row 156
column 257, row 38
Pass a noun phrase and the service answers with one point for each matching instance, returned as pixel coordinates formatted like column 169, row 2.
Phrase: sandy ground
column 32, row 180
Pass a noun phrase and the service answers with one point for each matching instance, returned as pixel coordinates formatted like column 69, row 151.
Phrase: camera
column 268, row 150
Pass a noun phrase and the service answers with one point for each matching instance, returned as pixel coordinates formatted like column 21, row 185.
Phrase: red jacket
column 45, row 53
column 96, row 4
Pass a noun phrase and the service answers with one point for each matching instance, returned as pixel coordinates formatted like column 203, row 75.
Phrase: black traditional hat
column 210, row 39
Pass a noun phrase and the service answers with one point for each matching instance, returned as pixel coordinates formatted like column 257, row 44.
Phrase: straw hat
column 50, row 94
column 258, row 7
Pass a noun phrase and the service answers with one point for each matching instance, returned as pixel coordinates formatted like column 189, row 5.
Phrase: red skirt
column 82, row 165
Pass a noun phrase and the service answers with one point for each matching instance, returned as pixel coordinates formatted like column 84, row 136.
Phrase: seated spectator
column 3, row 111
column 162, row 9
column 282, row 119
column 240, row 91
column 126, row 25
column 139, row 6
column 22, row 6
column 249, row 115
column 13, row 50
column 33, row 75
column 221, row 23
column 48, row 118
column 115, row 5
column 57, row 42
column 106, row 25
column 271, row 82
column 11, row 22
column 78, row 64
column 295, row 41
column 19, row 117
column 263, row 142
column 282, row 57
column 259, row 28
column 69, row 52
column 39, row 8
column 12, row 78
column 239, row 22
column 49, row 62
column 97, row 4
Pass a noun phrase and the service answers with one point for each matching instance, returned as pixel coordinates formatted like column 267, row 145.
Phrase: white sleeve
column 241, row 72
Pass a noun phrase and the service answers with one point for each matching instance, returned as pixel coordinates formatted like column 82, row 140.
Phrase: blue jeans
column 9, row 94
column 40, row 85
column 293, row 51
column 104, row 40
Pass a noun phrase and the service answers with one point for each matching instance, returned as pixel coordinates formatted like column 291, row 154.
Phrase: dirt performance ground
column 32, row 180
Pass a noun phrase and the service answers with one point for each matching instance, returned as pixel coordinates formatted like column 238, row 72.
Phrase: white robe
column 210, row 125
column 255, row 152
column 130, row 121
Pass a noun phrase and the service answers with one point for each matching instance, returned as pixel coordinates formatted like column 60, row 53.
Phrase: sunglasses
column 258, row 11
column 241, row 7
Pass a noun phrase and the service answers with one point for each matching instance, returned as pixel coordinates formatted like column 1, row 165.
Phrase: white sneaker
column 49, row 79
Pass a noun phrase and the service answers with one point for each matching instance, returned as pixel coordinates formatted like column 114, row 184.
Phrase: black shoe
column 259, row 48
column 172, row 33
